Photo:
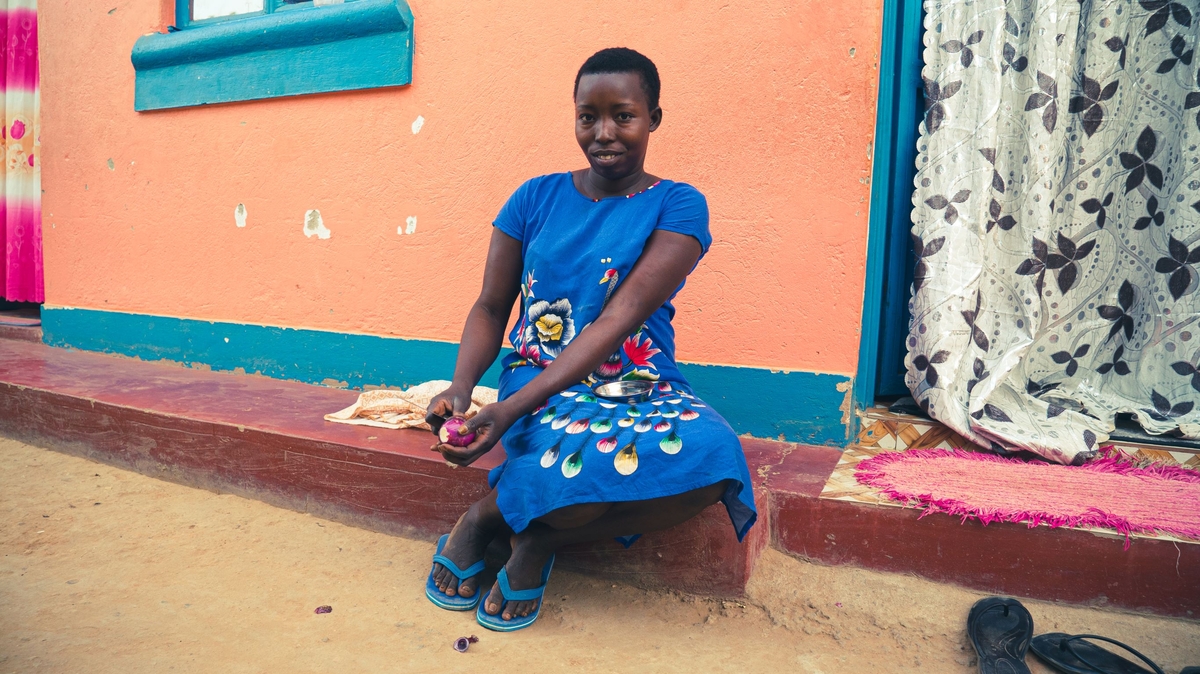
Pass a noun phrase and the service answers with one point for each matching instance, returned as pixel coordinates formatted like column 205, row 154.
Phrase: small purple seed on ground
column 324, row 609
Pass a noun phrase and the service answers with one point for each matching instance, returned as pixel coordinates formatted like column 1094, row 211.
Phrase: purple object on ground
column 324, row 609
column 461, row 644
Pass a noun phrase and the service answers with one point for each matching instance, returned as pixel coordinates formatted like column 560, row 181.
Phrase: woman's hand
column 454, row 401
column 488, row 425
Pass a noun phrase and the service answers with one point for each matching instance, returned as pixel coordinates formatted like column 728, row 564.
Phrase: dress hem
column 740, row 532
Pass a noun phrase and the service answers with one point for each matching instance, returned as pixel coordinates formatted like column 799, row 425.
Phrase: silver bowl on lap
column 631, row 392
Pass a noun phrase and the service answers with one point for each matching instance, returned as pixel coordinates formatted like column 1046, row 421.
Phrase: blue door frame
column 889, row 269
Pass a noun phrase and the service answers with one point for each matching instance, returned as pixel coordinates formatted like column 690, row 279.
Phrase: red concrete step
column 266, row 439
column 27, row 333
column 1065, row 565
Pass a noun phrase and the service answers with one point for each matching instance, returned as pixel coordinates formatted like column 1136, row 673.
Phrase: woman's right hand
column 454, row 401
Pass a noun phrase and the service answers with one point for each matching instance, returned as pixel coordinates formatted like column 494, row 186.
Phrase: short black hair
column 622, row 60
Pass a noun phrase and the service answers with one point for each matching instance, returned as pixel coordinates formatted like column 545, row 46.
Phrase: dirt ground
column 109, row 571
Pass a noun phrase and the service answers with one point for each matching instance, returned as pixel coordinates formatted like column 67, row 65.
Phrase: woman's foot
column 524, row 569
column 468, row 540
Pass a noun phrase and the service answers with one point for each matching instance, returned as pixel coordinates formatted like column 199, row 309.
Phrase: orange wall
column 769, row 110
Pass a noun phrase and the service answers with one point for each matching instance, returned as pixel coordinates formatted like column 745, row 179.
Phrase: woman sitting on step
column 595, row 257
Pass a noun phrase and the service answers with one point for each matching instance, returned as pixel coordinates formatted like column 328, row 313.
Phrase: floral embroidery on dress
column 640, row 352
column 545, row 328
column 550, row 325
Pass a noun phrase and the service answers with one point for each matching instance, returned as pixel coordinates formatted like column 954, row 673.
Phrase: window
column 222, row 51
column 201, row 12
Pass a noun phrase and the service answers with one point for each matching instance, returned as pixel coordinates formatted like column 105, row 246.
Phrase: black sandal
column 1071, row 654
column 1000, row 629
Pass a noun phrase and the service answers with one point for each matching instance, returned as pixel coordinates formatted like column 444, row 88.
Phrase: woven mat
column 1112, row 492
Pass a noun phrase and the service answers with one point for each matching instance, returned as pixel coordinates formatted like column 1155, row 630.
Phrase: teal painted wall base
column 796, row 406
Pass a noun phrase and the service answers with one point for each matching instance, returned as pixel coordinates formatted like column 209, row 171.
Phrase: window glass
column 208, row 9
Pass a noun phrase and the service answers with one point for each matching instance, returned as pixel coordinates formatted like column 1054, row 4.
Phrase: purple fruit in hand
column 450, row 433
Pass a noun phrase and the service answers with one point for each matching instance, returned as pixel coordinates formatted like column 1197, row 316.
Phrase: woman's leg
column 468, row 540
column 590, row 522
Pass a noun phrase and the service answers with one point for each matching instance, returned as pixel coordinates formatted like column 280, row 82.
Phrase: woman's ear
column 655, row 118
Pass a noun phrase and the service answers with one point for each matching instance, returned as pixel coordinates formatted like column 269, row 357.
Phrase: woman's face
column 613, row 122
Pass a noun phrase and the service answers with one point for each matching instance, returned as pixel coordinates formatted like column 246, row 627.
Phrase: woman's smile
column 606, row 157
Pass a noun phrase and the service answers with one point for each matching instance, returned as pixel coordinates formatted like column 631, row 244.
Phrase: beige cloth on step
column 385, row 408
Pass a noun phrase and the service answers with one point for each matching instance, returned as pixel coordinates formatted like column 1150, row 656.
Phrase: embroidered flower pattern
column 935, row 97
column 1100, row 208
column 1088, row 102
column 1179, row 54
column 640, row 351
column 1062, row 261
column 1186, row 369
column 1179, row 266
column 1071, row 359
column 1164, row 410
column 1044, row 100
column 1162, row 10
column 1117, row 364
column 550, row 326
column 1139, row 164
column 963, row 48
column 1119, row 315
column 940, row 203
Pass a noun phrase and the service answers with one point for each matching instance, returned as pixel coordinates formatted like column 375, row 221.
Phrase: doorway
column 900, row 109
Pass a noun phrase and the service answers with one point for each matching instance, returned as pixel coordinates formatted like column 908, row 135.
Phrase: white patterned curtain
column 1056, row 222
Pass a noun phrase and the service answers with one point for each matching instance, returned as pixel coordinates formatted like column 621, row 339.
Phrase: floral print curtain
column 1056, row 222
column 21, row 200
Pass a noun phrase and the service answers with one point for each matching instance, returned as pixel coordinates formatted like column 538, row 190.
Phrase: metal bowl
column 631, row 392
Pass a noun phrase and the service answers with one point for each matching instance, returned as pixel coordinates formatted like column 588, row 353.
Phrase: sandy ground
column 109, row 571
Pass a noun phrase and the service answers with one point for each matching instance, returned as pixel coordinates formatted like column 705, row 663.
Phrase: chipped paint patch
column 847, row 389
column 410, row 225
column 239, row 215
column 417, row 124
column 112, row 165
column 314, row 225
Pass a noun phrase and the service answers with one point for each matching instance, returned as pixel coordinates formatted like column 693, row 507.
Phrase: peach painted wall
column 769, row 110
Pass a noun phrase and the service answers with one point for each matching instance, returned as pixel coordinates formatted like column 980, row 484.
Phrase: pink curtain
column 21, row 200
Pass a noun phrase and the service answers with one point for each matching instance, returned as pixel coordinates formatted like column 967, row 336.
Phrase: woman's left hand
column 488, row 425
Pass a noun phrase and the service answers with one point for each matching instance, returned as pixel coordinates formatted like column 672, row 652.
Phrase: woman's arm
column 665, row 262
column 484, row 329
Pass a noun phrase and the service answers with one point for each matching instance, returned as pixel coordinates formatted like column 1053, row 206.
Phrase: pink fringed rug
column 1109, row 492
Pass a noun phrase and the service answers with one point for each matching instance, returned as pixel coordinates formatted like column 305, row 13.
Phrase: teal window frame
column 183, row 12
column 287, row 51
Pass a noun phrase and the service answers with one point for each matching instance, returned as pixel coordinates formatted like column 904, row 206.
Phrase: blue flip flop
column 443, row 600
column 497, row 622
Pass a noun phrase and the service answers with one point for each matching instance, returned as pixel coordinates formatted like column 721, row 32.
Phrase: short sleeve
column 513, row 218
column 685, row 211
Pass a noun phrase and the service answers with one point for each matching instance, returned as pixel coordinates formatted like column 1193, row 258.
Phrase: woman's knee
column 574, row 516
column 706, row 496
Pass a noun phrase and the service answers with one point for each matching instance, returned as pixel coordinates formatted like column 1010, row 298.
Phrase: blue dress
column 576, row 448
